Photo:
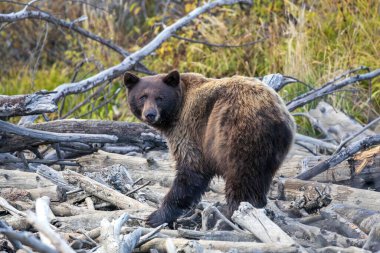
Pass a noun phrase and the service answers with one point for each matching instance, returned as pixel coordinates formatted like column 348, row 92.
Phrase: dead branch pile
column 87, row 185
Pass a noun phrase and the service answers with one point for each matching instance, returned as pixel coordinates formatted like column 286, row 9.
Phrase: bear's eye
column 142, row 98
column 158, row 99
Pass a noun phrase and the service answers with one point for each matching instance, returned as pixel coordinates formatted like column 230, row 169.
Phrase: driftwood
column 136, row 135
column 224, row 246
column 255, row 221
column 340, row 156
column 21, row 105
column 310, row 236
column 103, row 192
column 54, row 137
column 338, row 125
column 365, row 219
column 292, row 189
column 343, row 173
column 373, row 242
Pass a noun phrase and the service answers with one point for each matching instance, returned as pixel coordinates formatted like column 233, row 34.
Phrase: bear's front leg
column 187, row 189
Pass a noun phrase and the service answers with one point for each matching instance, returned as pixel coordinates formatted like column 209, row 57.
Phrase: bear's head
column 155, row 100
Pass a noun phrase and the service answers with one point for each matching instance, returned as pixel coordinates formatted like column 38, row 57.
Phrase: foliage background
column 311, row 40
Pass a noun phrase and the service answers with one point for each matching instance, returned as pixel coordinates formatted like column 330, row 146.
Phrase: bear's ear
column 172, row 78
column 130, row 80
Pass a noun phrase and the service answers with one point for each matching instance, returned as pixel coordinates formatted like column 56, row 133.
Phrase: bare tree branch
column 344, row 142
column 340, row 156
column 220, row 45
column 328, row 89
column 131, row 60
column 42, row 15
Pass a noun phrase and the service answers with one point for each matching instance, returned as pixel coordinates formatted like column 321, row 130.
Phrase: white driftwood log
column 223, row 246
column 255, row 221
column 21, row 105
column 292, row 189
column 103, row 192
column 56, row 137
column 338, row 124
column 42, row 225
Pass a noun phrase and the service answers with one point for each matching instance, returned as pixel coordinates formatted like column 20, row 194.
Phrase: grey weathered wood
column 365, row 219
column 291, row 189
column 138, row 136
column 342, row 173
column 340, row 156
column 338, row 124
column 231, row 236
column 21, row 105
column 55, row 177
column 223, row 246
column 103, row 192
column 55, row 137
column 310, row 236
column 256, row 222
column 373, row 241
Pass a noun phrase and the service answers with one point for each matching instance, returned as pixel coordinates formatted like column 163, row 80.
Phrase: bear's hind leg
column 248, row 188
column 187, row 189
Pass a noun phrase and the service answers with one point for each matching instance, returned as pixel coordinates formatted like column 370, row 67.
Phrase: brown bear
column 237, row 128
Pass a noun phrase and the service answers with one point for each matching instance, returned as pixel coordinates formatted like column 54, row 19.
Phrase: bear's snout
column 151, row 116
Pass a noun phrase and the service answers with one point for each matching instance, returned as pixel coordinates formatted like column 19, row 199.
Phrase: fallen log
column 334, row 249
column 91, row 219
column 158, row 171
column 224, row 246
column 52, row 137
column 340, row 156
column 343, row 173
column 30, row 104
column 136, row 135
column 103, row 192
column 256, row 222
column 310, row 236
column 365, row 219
column 341, row 225
column 292, row 189
column 231, row 236
column 338, row 124
column 373, row 242
column 22, row 179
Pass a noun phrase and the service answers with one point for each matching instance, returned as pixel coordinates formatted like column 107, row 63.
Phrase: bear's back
column 219, row 115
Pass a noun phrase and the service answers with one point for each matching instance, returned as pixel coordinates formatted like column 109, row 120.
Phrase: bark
column 342, row 173
column 256, row 222
column 21, row 105
column 242, row 247
column 103, row 192
column 340, row 156
column 292, row 189
column 139, row 137
column 54, row 137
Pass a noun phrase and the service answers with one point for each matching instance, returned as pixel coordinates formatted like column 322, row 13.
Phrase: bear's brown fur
column 237, row 128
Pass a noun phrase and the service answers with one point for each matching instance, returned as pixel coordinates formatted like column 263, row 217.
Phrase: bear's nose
column 151, row 116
